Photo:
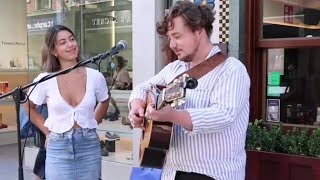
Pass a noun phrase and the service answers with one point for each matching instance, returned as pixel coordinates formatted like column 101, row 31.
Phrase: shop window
column 113, row 26
column 43, row 4
column 294, row 18
column 98, row 26
column 292, row 86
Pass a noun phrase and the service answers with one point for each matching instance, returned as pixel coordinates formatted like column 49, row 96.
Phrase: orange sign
column 4, row 87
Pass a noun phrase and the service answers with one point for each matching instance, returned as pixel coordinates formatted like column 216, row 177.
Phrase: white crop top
column 61, row 115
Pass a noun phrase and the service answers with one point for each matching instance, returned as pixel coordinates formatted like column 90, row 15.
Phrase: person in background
column 120, row 81
column 72, row 143
column 209, row 129
column 121, row 78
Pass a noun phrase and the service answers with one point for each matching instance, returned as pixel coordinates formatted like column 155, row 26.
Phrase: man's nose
column 173, row 44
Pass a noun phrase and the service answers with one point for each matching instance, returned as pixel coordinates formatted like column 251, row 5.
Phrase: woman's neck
column 67, row 64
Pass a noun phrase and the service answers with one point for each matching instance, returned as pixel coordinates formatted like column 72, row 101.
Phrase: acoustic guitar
column 156, row 136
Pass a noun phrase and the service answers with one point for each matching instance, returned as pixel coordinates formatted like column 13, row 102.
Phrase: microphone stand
column 19, row 97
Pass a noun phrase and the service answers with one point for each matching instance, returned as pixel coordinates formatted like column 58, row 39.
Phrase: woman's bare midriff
column 75, row 126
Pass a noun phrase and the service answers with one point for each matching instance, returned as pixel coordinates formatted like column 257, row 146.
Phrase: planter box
column 276, row 166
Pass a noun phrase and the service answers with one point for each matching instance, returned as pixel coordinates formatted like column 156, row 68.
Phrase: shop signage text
column 13, row 43
column 123, row 20
column 40, row 25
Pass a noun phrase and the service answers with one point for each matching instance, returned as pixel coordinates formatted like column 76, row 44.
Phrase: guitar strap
column 204, row 67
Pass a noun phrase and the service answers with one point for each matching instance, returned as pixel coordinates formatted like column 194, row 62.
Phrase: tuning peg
column 180, row 102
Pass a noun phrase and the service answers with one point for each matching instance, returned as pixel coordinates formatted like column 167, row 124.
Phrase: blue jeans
column 73, row 155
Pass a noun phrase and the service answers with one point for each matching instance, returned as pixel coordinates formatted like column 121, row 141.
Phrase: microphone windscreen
column 124, row 44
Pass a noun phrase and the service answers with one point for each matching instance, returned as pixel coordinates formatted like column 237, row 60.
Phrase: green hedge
column 275, row 138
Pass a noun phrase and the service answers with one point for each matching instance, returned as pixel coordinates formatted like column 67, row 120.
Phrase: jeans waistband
column 82, row 131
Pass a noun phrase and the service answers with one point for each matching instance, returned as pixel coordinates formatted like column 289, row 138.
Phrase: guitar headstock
column 174, row 93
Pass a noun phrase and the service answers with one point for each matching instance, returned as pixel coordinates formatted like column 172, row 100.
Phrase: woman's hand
column 46, row 142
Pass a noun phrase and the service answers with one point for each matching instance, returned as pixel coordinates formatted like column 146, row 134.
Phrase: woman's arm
column 101, row 110
column 35, row 117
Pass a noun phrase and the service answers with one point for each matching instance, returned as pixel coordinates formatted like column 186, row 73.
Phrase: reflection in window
column 98, row 26
column 43, row 4
column 293, row 84
column 285, row 19
column 113, row 26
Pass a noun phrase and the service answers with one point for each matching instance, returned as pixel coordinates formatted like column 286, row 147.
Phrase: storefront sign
column 40, row 23
column 274, row 78
column 125, row 20
column 108, row 19
column 13, row 43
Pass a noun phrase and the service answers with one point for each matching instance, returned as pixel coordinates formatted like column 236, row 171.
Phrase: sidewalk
column 9, row 163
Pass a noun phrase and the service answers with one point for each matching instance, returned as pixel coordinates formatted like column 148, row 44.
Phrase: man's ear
column 199, row 32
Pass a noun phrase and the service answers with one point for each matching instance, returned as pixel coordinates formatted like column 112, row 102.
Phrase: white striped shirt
column 219, row 110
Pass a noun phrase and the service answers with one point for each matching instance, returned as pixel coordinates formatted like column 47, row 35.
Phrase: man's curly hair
column 195, row 17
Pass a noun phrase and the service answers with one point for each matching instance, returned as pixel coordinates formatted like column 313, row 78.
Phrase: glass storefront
column 284, row 61
column 98, row 26
column 291, row 18
column 293, row 80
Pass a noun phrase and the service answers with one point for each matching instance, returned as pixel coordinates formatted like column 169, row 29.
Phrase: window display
column 295, row 83
column 294, row 18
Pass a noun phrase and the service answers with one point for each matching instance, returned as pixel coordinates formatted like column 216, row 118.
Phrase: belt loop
column 84, row 132
column 70, row 133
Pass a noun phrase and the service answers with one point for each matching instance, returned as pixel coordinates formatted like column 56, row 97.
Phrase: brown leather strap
column 204, row 67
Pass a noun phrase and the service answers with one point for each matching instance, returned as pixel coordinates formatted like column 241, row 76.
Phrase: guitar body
column 156, row 136
column 155, row 143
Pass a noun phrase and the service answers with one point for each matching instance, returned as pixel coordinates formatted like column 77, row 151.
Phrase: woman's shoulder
column 41, row 75
column 93, row 72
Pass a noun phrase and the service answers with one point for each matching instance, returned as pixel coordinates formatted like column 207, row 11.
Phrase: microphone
column 121, row 46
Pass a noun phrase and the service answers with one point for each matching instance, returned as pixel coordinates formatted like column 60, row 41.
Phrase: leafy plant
column 275, row 139
column 313, row 143
column 254, row 135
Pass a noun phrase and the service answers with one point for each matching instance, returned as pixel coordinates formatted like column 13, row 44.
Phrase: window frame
column 256, row 54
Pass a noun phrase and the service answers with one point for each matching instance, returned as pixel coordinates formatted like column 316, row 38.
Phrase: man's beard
column 189, row 57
